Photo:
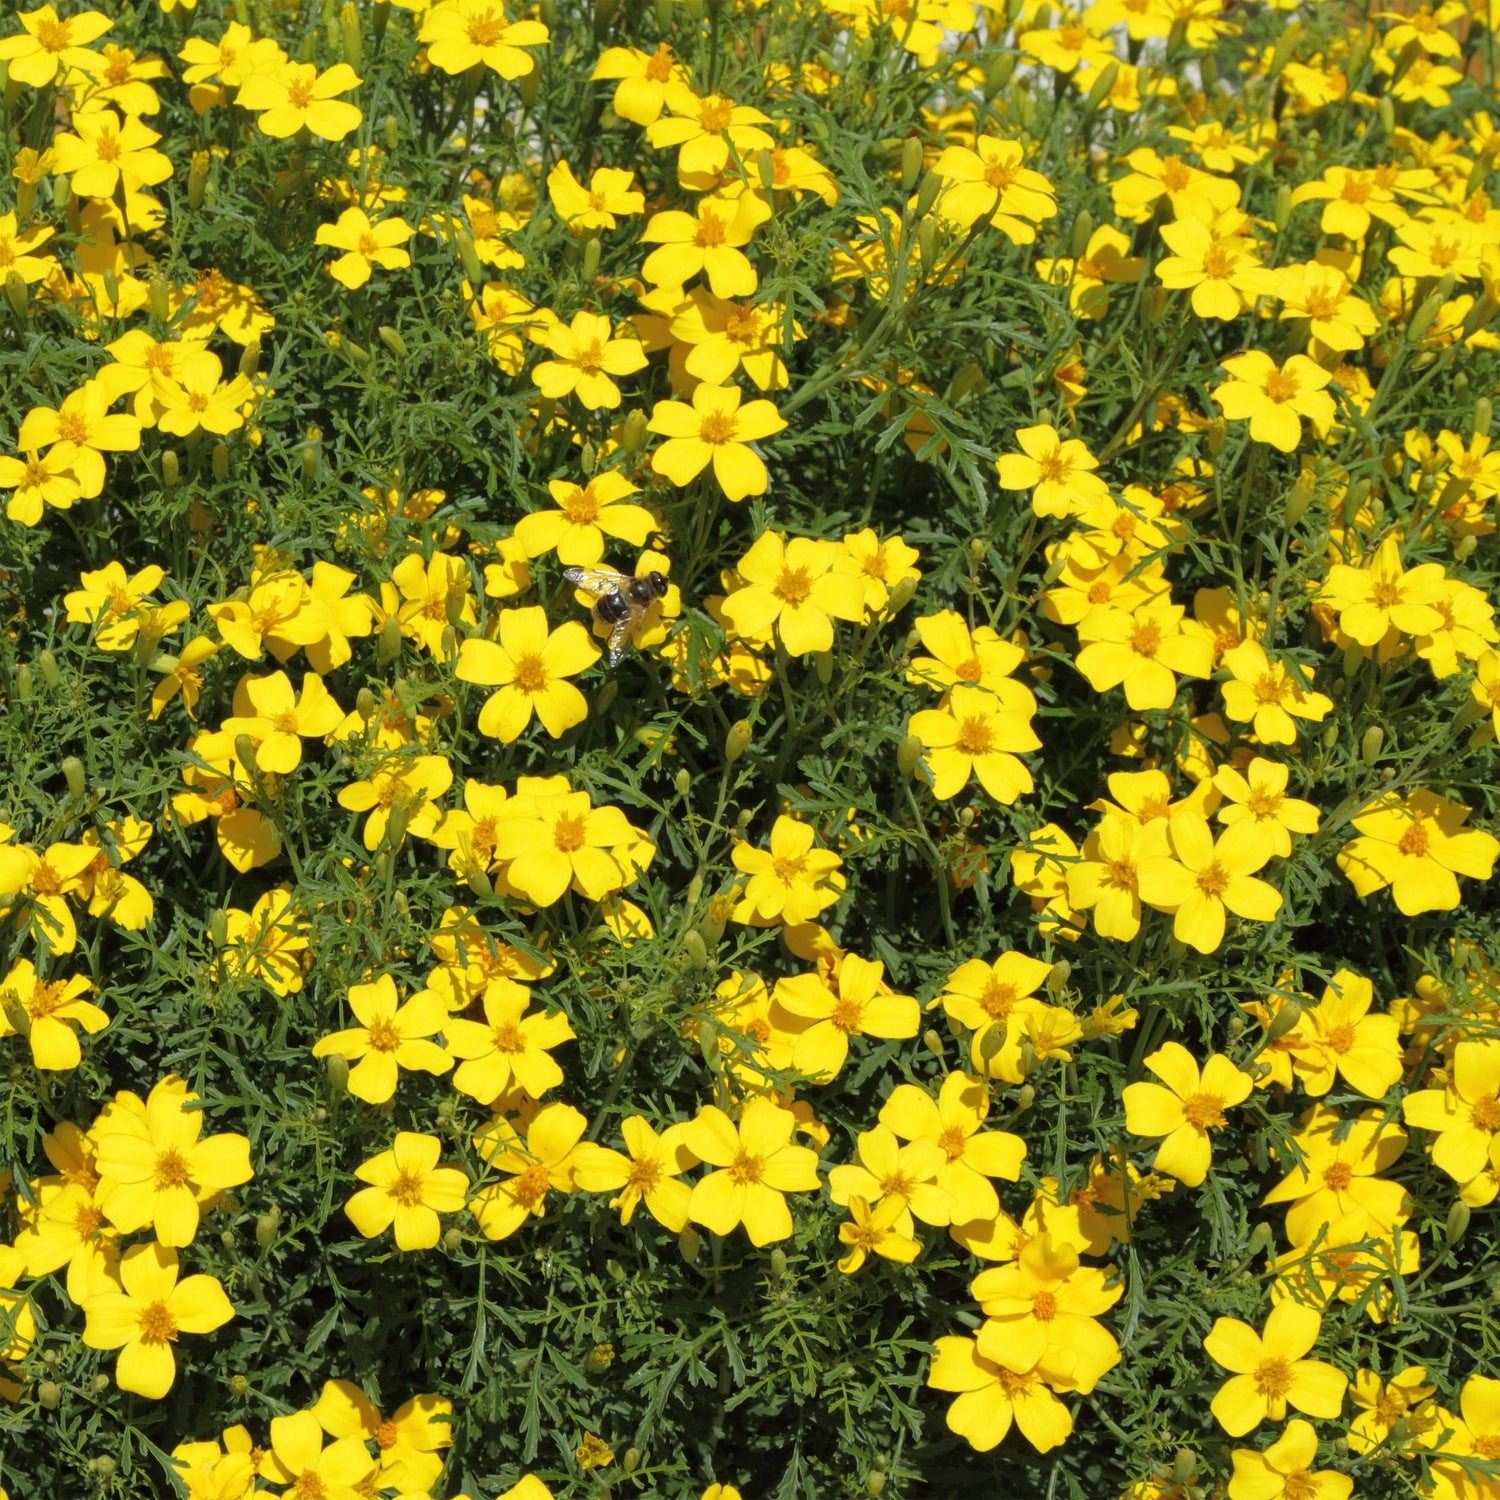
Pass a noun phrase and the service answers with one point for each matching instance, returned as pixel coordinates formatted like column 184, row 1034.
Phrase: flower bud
column 874, row 1482
column 197, row 181
column 778, row 1262
column 337, row 1069
column 24, row 689
column 351, row 43
column 1103, row 84
column 72, row 769
column 690, row 1242
column 16, row 294
column 632, row 1460
column 909, row 755
column 227, row 1239
column 992, row 1039
column 1370, row 744
column 1426, row 315
column 218, row 927
column 453, row 1238
column 1286, row 47
column 392, row 340
column 244, row 751
column 1354, row 500
column 933, row 1042
column 1458, row 1221
column 266, row 1226
column 1298, row 498
column 469, row 259
column 219, row 461
column 737, row 741
column 171, row 469
column 1058, row 976
column 1284, row 1021
column 901, row 595
column 1025, row 1097
column 1217, row 432
column 590, row 266
column 927, row 243
column 1083, row 229
column 388, row 649
column 695, row 948
column 1463, row 548
column 1153, row 305
column 49, row 1393
column 1282, row 212
column 607, row 695
column 683, row 781
column 823, row 666
column 311, row 453
column 927, row 194
column 911, row 162
column 1483, row 415
column 999, row 74
column 529, row 86
column 47, row 665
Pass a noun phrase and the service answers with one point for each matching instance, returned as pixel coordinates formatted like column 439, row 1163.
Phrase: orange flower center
column 1385, row 594
column 746, row 1169
column 1338, row 1175
column 171, row 1170
column 1299, row 1485
column 387, row 1434
column 714, row 114
column 45, row 998
column 1281, row 385
column 974, row 737
column 1220, row 262
column 1273, row 1377
column 1175, row 174
column 1145, row 639
column 52, row 36
column 1271, row 687
column 1264, row 805
column 711, row 229
column 1356, row 190
column 1053, row 468
column 531, row 1186
column 509, row 1038
column 793, row 586
column 1487, row 1445
column 997, row 1000
column 1000, row 174
column 644, row 1176
column 590, row 357
column 847, row 1014
column 1204, row 1111
column 309, row 1486
column 1212, row 879
column 1414, row 841
column 1341, row 1039
column 1044, row 1307
column 72, row 428
column 897, row 1185
column 406, row 1189
column 1322, row 302
column 87, row 1220
column 972, row 671
column 717, row 428
column 953, row 1141
column 1119, row 875
column 531, row 672
column 787, row 871
column 383, row 1035
column 1486, row 1113
column 299, row 94
column 487, row 29
column 157, row 1325
column 568, row 835
column 659, row 66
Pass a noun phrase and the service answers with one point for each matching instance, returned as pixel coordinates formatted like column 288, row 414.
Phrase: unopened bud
column 823, row 666
column 927, row 237
column 218, row 927
column 911, row 162
column 927, row 194
column 197, row 178
column 633, row 431
column 47, row 665
column 24, row 687
column 737, row 741
column 49, row 1393
column 1217, row 432
column 695, row 949
column 356, row 354
column 1083, row 229
column 72, row 769
column 244, row 751
column 607, row 695
column 266, row 1226
column 765, row 171
column 390, row 127
column 683, row 781
column 1298, row 498
column 16, row 294
column 690, row 1242
column 1103, row 85
column 1283, row 1021
column 1427, row 314
column 171, row 469
column 1153, row 305
column 999, row 74
column 337, row 1069
column 632, row 1460
column 1058, row 976
column 219, row 461
column 1483, row 416
column 453, row 1238
column 908, row 755
column 778, row 1262
column 874, row 1482
column 529, row 86
column 1370, row 744
column 311, row 453
column 991, row 1040
column 388, row 648
column 250, row 359
column 1282, row 212
column 1025, row 1097
column 1458, row 1221
column 111, row 287
column 352, row 44
column 227, row 1239
column 901, row 595
column 933, row 1042
column 1354, row 500
column 1286, row 47
column 392, row 340
column 590, row 265
column 469, row 259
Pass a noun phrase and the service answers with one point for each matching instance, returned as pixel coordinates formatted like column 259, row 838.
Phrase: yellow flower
column 510, row 1048
column 1337, row 1173
column 44, row 881
column 462, row 34
column 1200, row 880
column 586, row 514
column 267, row 942
column 1465, row 1114
column 1384, row 596
column 1107, row 879
column 295, row 96
column 989, row 181
column 976, row 733
column 704, row 128
column 529, row 668
column 84, row 429
column 874, row 1231
column 992, row 1398
column 1336, row 317
column 588, row 353
column 1275, row 398
column 408, row 1190
column 409, row 787
column 365, row 245
column 791, row 882
column 1284, row 1470
column 1268, row 695
column 651, row 1174
column 280, row 611
column 106, row 150
column 756, row 1163
column 1339, row 1036
column 1141, row 652
column 555, row 839
column 1270, row 1371
column 1058, row 471
column 299, row 1460
column 795, row 589
column 46, row 1007
column 715, row 430
column 1384, row 1403
column 388, row 1038
column 408, row 1440
column 858, row 1003
column 39, row 480
column 707, row 242
column 641, row 93
column 1418, row 846
column 16, row 247
column 1222, row 269
column 610, row 196
column 1191, row 1104
column 1258, row 798
column 977, row 658
column 116, row 605
column 885, row 1172
column 541, row 1163
column 49, row 43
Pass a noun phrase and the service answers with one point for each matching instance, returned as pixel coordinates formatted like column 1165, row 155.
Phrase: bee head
column 658, row 584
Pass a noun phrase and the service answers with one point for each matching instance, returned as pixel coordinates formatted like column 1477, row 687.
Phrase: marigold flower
column 651, row 1174
column 1336, row 317
column 1383, row 1403
column 1106, row 880
column 49, row 42
column 509, row 1048
column 1041, row 1309
column 1222, row 270
column 83, row 429
column 365, row 245
column 991, row 1398
column 296, row 96
column 707, row 241
column 1269, row 695
column 715, row 430
column 277, row 720
column 408, row 1440
column 102, row 150
column 529, row 668
column 990, row 181
column 51, row 1008
column 145, row 1316
column 588, row 353
column 114, row 603
column 1200, row 880
column 1058, row 471
column 408, row 1190
column 961, row 657
column 435, row 594
column 858, row 1003
column 874, row 1231
column 267, row 942
column 885, row 1171
column 756, row 1163
column 541, row 1163
column 1384, row 596
column 44, row 881
column 1417, row 846
column 1141, row 652
column 1284, row 1470
column 1258, row 798
column 156, row 1170
column 412, row 786
column 299, row 1460
column 390, row 1036
column 1270, row 1370
column 1465, row 1114
column 610, row 196
column 975, row 733
column 791, row 882
column 1275, row 398
column 641, row 93
column 461, row 34
column 39, row 480
column 1337, row 1173
column 1191, row 1104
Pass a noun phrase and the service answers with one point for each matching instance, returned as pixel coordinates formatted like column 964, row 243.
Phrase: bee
column 620, row 601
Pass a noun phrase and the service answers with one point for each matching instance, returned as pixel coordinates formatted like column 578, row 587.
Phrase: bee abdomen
column 612, row 608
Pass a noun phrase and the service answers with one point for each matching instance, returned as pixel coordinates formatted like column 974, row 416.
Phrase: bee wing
column 596, row 582
column 620, row 637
